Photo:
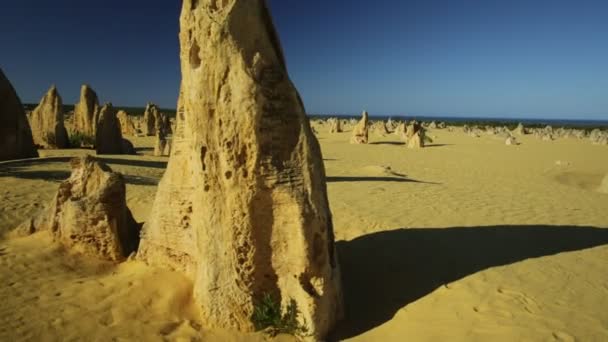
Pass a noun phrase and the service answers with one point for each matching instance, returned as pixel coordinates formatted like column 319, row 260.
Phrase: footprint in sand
column 560, row 336
column 528, row 303
column 492, row 312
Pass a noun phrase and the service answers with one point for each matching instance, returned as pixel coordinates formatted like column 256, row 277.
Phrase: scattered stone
column 511, row 141
column 89, row 213
column 16, row 140
column 242, row 207
column 46, row 121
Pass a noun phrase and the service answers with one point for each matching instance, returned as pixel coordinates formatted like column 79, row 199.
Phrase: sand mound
column 582, row 180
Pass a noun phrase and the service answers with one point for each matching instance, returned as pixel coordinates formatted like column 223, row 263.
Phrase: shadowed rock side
column 108, row 136
column 242, row 207
column 15, row 134
column 86, row 111
column 89, row 213
column 46, row 122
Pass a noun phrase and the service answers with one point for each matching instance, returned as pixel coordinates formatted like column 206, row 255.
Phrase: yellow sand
column 466, row 240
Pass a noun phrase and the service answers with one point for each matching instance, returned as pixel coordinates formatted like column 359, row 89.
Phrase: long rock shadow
column 107, row 160
column 385, row 271
column 18, row 169
column 437, row 145
column 374, row 179
column 60, row 176
column 398, row 143
column 132, row 162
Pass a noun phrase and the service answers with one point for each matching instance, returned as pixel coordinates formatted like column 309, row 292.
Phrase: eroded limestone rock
column 335, row 126
column 417, row 139
column 89, row 213
column 242, row 207
column 108, row 136
column 16, row 140
column 161, row 146
column 46, row 121
column 86, row 111
column 127, row 126
column 361, row 130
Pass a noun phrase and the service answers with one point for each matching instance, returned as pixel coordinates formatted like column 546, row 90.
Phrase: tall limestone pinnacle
column 243, row 207
column 46, row 120
column 86, row 111
column 15, row 133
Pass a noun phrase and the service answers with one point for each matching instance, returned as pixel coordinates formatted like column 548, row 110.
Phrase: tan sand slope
column 464, row 240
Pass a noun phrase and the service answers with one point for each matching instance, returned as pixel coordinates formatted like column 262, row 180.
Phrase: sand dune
column 466, row 240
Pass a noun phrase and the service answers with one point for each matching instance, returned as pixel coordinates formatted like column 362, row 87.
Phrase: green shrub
column 267, row 316
column 78, row 140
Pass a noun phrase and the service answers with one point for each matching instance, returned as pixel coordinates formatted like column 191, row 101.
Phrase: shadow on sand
column 18, row 169
column 437, row 145
column 387, row 143
column 385, row 271
column 398, row 179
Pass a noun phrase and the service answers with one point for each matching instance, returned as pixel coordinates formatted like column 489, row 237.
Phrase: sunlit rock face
column 242, row 207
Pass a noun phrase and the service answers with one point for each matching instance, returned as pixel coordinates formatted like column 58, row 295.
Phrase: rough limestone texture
column 16, row 140
column 361, row 130
column 242, row 207
column 86, row 112
column 108, row 136
column 89, row 213
column 46, row 121
column 127, row 126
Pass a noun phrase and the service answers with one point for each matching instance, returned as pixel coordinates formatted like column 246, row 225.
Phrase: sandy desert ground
column 465, row 240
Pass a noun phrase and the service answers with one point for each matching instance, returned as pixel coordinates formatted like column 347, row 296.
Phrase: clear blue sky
column 514, row 58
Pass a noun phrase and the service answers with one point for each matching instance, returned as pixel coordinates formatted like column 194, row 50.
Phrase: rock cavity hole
column 195, row 59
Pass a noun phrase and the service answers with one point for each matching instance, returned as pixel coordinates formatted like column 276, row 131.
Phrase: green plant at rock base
column 268, row 316
column 78, row 140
